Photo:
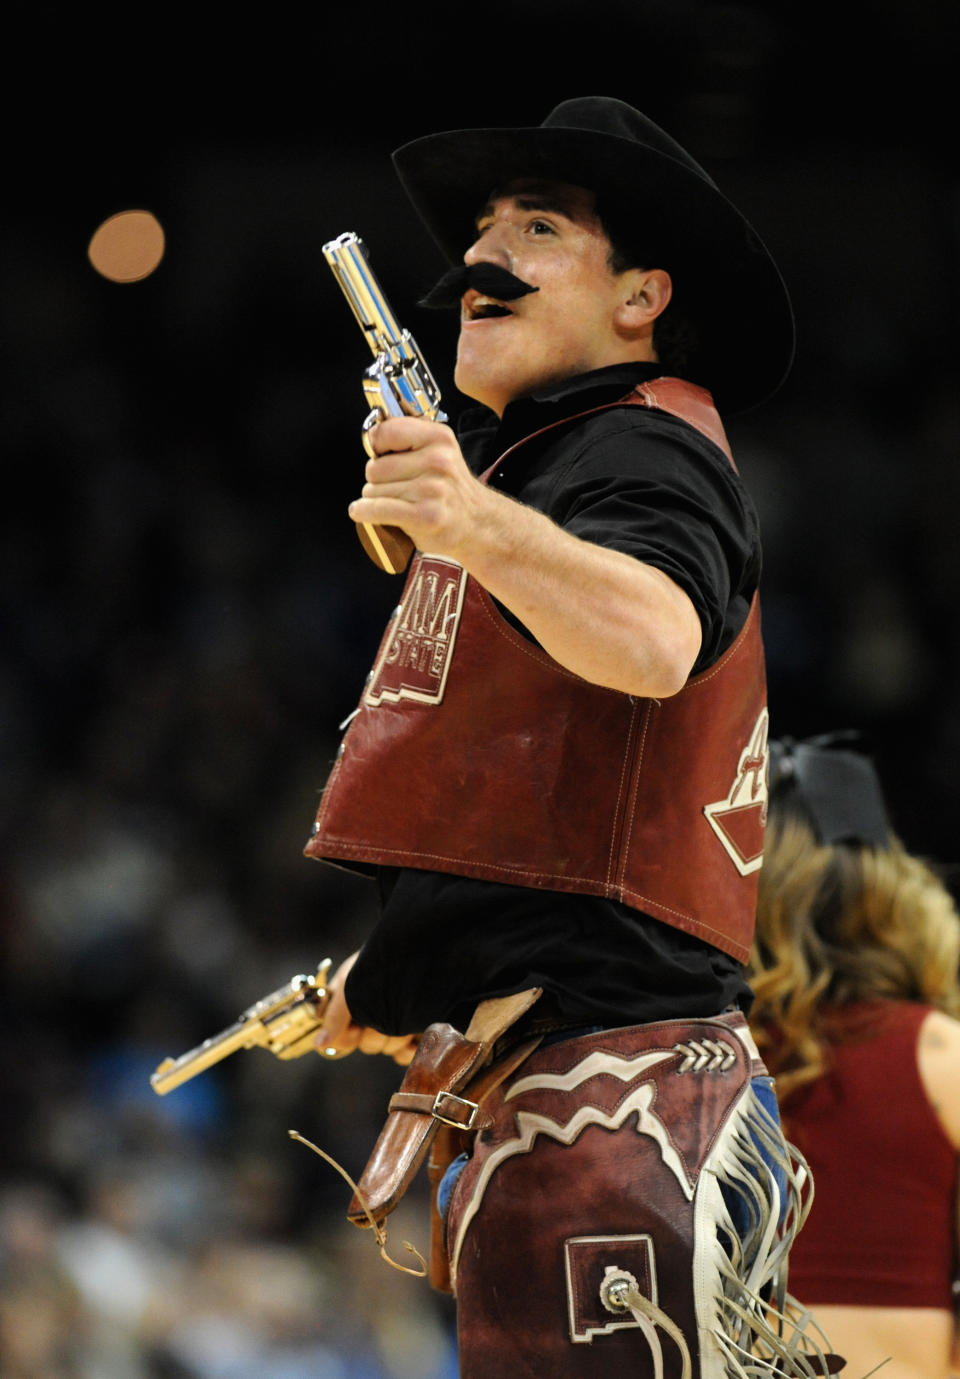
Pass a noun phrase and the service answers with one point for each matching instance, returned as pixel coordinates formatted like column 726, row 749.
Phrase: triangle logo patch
column 739, row 819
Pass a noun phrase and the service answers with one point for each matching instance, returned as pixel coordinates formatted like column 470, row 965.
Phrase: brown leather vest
column 472, row 751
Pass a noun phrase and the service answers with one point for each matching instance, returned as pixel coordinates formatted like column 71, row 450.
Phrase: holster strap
column 451, row 1141
column 445, row 1061
column 446, row 1107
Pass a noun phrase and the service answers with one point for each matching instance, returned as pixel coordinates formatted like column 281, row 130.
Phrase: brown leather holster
column 446, row 1064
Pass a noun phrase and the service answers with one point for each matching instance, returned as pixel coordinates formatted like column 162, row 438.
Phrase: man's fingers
column 396, row 466
column 395, row 434
column 408, row 1047
column 340, row 1044
column 386, row 438
column 338, row 1031
column 371, row 1041
column 401, row 1048
column 380, row 512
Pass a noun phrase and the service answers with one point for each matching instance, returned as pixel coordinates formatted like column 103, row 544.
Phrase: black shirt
column 648, row 484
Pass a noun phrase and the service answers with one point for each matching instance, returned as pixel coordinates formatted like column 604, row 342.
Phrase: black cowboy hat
column 642, row 179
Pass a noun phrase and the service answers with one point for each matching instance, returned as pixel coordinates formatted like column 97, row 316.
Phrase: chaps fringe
column 754, row 1194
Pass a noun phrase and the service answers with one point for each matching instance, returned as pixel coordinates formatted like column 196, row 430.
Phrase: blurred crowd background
column 186, row 615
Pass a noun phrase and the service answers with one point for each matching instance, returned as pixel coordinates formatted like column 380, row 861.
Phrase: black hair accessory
column 839, row 786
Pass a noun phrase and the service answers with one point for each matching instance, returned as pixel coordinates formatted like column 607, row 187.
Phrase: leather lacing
column 380, row 1233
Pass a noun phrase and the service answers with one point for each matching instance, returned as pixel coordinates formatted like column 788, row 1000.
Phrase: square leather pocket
column 597, row 1268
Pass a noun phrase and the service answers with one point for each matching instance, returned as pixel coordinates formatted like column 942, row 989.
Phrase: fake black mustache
column 487, row 278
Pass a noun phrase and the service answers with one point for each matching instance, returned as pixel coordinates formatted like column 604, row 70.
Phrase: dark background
column 186, row 615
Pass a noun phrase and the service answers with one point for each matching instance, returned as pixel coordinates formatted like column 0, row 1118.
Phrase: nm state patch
column 418, row 646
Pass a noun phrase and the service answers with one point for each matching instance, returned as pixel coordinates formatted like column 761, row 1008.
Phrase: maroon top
column 881, row 1232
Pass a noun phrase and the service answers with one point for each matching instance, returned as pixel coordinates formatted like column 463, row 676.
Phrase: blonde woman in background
column 857, row 1003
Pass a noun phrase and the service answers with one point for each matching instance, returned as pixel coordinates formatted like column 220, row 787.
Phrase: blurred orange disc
column 127, row 247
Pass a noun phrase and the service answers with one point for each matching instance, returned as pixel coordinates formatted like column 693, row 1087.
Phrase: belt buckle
column 446, row 1100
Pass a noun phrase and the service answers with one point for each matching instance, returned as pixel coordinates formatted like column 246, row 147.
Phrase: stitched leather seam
column 628, row 836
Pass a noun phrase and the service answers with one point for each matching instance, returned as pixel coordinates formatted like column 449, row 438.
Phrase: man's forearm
column 600, row 613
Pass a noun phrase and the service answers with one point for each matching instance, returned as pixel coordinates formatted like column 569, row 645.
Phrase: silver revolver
column 397, row 383
column 285, row 1022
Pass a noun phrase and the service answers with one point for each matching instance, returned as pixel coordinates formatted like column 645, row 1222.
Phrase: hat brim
column 721, row 266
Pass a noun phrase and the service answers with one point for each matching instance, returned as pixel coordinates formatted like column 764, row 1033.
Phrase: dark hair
column 676, row 336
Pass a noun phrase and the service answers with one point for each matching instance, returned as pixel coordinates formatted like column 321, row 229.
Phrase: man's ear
column 646, row 295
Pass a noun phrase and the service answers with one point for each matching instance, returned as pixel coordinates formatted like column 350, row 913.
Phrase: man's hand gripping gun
column 286, row 1022
column 398, row 382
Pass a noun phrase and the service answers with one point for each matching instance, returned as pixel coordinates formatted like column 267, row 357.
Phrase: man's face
column 547, row 233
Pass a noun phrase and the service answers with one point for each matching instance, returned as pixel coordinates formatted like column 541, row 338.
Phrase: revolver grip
column 388, row 547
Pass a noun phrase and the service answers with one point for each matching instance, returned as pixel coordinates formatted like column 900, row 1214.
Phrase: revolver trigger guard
column 373, row 419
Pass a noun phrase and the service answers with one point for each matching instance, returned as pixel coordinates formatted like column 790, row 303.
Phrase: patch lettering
column 416, row 654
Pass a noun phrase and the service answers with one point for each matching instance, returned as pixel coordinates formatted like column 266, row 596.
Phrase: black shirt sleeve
column 652, row 486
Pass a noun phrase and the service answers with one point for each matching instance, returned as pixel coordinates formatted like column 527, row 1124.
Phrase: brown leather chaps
column 595, row 1175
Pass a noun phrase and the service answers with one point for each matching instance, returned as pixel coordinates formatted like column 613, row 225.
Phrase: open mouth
column 479, row 308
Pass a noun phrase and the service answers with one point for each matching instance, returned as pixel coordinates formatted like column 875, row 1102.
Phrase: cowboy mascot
column 557, row 768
